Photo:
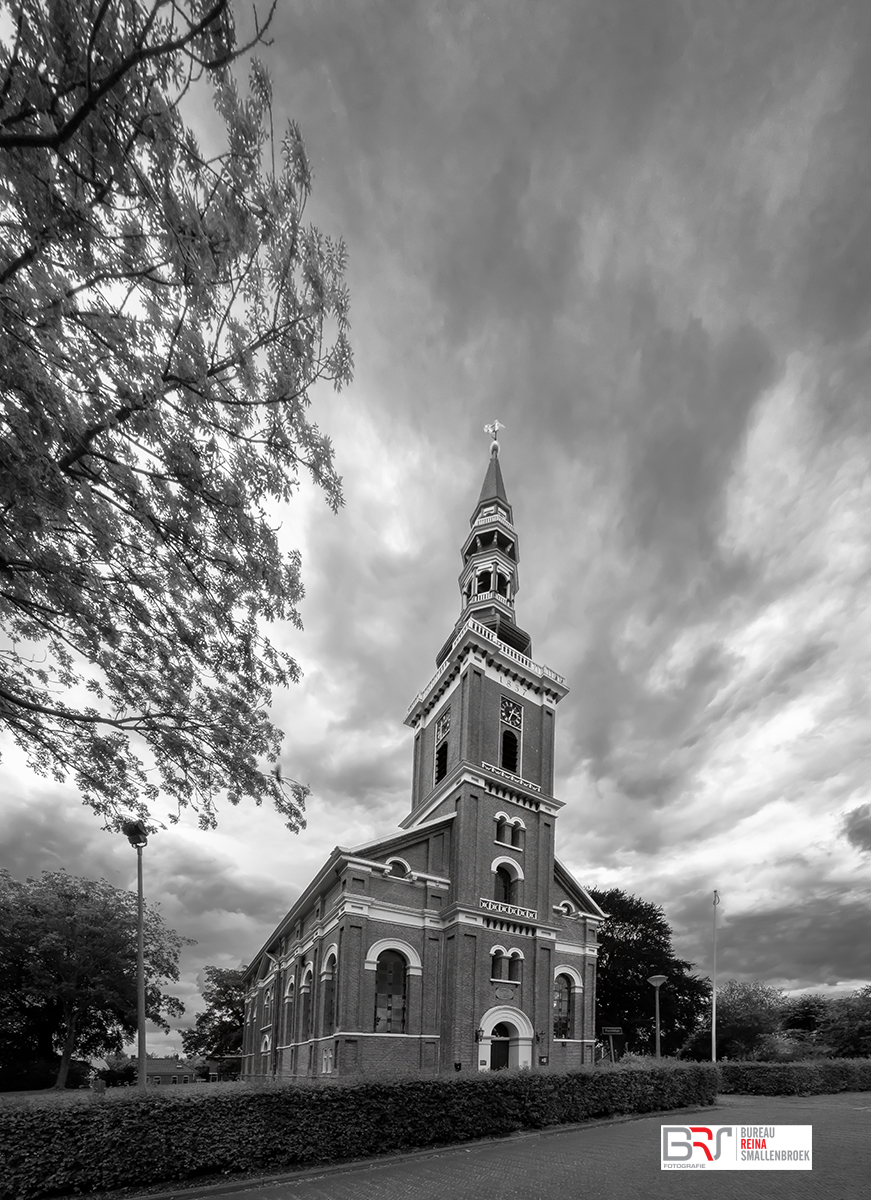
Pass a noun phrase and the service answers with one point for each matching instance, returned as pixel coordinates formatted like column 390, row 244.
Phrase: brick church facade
column 460, row 942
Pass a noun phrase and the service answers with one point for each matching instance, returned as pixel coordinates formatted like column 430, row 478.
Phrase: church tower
column 489, row 706
column 484, row 753
column 458, row 942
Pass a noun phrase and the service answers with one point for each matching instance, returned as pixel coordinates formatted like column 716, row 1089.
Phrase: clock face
column 511, row 713
column 443, row 725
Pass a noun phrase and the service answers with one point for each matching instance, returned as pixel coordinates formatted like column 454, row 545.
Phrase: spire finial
column 493, row 430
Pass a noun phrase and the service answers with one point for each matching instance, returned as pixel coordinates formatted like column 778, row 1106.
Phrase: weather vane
column 493, row 430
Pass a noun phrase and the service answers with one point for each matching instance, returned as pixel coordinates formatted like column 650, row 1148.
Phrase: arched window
column 517, row 835
column 483, row 583
column 398, row 868
column 390, row 990
column 562, row 1007
column 264, row 1056
column 509, row 751
column 503, row 887
column 441, row 762
column 497, row 965
column 329, row 982
column 305, row 1030
column 503, row 830
column 514, row 968
column 288, row 1012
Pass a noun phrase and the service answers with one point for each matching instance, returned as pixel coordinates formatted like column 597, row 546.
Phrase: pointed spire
column 489, row 580
column 494, row 486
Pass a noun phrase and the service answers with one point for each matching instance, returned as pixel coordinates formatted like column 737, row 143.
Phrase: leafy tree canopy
column 804, row 1013
column 68, row 968
column 846, row 1026
column 217, row 1033
column 164, row 315
column 747, row 1014
column 635, row 943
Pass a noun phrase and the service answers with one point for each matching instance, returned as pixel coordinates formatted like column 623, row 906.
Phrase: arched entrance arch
column 500, row 1026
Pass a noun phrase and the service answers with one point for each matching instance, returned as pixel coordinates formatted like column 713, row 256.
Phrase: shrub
column 815, row 1077
column 139, row 1140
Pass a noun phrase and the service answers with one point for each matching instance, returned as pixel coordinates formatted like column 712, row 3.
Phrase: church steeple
column 490, row 579
column 486, row 718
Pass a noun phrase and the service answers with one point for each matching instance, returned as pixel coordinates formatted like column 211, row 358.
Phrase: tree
column 748, row 1014
column 164, row 315
column 804, row 1014
column 635, row 943
column 68, row 968
column 217, row 1033
column 846, row 1027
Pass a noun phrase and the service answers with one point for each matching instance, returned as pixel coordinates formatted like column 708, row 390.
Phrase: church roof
column 586, row 902
column 494, row 486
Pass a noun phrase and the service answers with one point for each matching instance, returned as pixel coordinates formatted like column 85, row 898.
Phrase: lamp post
column 657, row 981
column 714, row 989
column 137, row 835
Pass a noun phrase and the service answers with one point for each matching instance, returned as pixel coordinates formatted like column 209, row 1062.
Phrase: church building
column 460, row 942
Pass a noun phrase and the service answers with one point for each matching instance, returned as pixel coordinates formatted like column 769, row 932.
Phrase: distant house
column 171, row 1071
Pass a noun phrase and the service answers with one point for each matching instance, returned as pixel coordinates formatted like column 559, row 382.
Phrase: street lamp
column 657, row 981
column 136, row 833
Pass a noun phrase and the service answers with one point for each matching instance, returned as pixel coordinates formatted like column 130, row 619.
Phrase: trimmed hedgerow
column 149, row 1139
column 817, row 1076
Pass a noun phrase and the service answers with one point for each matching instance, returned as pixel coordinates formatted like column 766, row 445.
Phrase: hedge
column 170, row 1136
column 811, row 1078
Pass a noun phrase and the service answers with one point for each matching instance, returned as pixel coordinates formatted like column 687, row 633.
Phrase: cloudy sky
column 638, row 232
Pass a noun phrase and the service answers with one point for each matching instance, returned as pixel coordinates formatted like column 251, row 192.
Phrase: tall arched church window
column 288, row 1012
column 329, row 983
column 441, row 762
column 514, row 968
column 562, row 1007
column 305, row 1030
column 390, row 992
column 509, row 751
column 497, row 965
column 503, row 886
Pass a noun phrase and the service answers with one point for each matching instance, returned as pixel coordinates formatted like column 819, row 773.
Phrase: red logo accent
column 701, row 1145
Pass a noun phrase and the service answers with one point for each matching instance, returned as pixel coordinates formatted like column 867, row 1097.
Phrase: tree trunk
column 67, row 1053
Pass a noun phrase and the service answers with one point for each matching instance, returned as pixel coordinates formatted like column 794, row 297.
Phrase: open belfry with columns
column 460, row 942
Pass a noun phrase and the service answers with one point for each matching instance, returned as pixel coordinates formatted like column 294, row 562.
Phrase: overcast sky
column 638, row 232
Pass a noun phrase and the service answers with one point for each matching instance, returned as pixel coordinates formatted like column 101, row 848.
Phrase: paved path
column 617, row 1161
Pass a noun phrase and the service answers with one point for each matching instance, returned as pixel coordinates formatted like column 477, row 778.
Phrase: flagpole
column 714, row 990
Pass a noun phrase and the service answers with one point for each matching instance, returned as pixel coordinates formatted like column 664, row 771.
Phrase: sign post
column 610, row 1032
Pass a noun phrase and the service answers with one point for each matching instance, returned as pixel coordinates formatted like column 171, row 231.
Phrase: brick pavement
column 617, row 1161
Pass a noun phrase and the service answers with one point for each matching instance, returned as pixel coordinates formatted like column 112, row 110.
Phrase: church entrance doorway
column 500, row 1040
column 505, row 1038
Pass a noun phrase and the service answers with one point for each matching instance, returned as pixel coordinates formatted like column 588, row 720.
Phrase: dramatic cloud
column 639, row 234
